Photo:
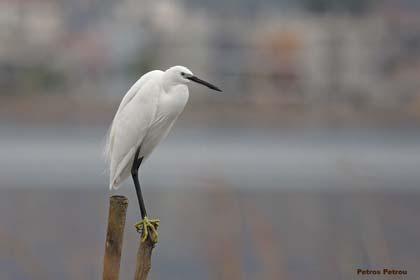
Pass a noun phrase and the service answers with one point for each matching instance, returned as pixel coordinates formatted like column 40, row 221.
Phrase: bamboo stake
column 114, row 237
column 144, row 259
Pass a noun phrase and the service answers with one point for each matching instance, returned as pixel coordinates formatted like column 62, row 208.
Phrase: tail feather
column 107, row 151
column 113, row 185
column 109, row 141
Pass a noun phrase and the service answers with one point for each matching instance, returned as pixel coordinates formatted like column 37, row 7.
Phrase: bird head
column 182, row 75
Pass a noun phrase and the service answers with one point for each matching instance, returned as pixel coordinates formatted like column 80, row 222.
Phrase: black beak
column 200, row 81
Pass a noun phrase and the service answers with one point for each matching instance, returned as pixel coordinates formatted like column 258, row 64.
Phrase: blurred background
column 306, row 167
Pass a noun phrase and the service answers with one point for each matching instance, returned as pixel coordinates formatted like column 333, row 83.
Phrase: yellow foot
column 146, row 227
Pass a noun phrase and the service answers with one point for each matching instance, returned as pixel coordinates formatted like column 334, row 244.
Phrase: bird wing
column 137, row 86
column 126, row 99
column 129, row 128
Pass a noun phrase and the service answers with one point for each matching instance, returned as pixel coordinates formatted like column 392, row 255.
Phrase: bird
column 143, row 119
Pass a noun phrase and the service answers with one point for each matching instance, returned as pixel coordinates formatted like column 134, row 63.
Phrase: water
column 256, row 204
column 71, row 157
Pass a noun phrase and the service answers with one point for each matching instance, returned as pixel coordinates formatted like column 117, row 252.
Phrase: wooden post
column 114, row 237
column 144, row 259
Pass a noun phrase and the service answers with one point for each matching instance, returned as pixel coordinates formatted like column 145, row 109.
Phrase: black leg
column 135, row 174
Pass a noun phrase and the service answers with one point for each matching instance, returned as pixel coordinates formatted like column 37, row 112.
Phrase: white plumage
column 145, row 116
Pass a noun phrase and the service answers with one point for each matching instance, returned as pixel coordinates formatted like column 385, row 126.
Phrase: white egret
column 145, row 116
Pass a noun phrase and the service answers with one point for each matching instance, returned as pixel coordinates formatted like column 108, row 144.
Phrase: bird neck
column 168, row 82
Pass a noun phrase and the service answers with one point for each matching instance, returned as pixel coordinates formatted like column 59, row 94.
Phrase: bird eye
column 182, row 74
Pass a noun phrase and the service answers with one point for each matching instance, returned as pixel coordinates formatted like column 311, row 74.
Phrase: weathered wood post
column 144, row 258
column 114, row 237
